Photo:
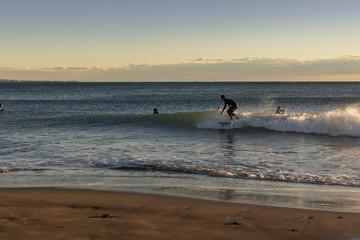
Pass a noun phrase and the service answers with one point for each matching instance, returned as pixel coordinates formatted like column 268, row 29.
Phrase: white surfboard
column 224, row 123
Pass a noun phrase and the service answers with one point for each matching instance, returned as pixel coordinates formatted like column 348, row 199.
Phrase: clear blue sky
column 115, row 33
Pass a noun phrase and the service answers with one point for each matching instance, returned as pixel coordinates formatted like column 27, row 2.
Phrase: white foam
column 340, row 122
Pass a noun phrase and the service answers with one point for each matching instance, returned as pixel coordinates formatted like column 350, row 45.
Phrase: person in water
column 1, row 110
column 232, row 106
column 156, row 111
column 280, row 111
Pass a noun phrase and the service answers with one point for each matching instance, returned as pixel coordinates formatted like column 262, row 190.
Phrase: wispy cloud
column 202, row 69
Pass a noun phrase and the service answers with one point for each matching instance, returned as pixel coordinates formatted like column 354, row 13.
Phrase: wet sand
column 42, row 213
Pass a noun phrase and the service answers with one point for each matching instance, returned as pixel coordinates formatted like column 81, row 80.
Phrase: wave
column 211, row 172
column 109, row 119
column 340, row 122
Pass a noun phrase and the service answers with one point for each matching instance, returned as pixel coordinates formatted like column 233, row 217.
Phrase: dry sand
column 77, row 214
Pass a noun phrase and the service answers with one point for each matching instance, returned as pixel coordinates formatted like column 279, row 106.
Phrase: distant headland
column 37, row 81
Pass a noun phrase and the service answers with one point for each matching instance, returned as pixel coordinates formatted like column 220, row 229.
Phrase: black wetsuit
column 232, row 107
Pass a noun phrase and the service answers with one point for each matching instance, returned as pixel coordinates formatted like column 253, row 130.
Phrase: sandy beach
column 42, row 213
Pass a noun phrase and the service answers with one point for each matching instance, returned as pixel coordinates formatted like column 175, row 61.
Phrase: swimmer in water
column 280, row 111
column 156, row 111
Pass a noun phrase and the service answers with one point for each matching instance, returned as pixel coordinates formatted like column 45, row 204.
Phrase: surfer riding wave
column 232, row 107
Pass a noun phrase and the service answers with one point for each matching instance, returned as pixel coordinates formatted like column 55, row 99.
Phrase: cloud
column 202, row 59
column 203, row 69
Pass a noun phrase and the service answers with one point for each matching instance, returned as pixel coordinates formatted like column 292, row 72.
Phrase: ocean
column 105, row 136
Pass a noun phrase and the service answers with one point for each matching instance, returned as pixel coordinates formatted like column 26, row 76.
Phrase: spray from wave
column 340, row 122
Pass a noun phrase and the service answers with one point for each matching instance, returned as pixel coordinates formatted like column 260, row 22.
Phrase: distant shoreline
column 36, row 81
column 76, row 81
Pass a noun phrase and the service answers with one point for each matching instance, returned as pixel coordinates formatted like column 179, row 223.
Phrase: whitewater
column 339, row 122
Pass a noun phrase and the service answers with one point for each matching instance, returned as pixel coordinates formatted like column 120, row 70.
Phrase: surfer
column 232, row 106
column 1, row 110
column 280, row 111
column 156, row 111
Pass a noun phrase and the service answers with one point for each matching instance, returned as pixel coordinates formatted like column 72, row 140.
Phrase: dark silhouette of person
column 280, row 111
column 156, row 111
column 232, row 106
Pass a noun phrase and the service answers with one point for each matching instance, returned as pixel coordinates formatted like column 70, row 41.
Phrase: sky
column 180, row 40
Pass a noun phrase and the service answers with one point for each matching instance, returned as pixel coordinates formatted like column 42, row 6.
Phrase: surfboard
column 284, row 111
column 224, row 123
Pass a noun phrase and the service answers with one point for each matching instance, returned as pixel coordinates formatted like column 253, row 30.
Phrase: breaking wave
column 340, row 122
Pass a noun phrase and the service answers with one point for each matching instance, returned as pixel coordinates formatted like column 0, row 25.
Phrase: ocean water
column 105, row 136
